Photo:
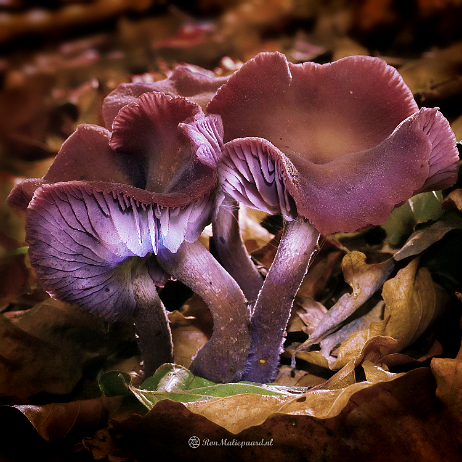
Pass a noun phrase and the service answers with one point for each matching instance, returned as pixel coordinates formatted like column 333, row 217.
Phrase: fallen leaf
column 57, row 421
column 453, row 200
column 364, row 279
column 238, row 406
column 448, row 375
column 187, row 337
column 423, row 238
column 411, row 305
column 45, row 348
column 436, row 67
column 399, row 419
column 326, row 264
column 309, row 314
column 336, row 339
column 420, row 208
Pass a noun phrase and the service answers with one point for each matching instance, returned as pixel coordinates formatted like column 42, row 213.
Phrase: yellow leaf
column 239, row 412
column 412, row 303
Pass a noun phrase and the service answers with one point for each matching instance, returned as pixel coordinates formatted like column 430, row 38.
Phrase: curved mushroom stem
column 152, row 325
column 223, row 357
column 272, row 309
column 231, row 252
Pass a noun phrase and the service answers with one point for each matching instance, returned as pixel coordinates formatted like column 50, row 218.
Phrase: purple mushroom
column 192, row 82
column 331, row 147
column 120, row 212
column 199, row 85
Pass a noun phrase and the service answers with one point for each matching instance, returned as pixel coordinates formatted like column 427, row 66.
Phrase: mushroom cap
column 196, row 84
column 110, row 201
column 151, row 158
column 340, row 144
column 85, row 246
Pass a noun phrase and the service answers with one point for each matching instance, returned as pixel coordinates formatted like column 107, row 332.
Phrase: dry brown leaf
column 308, row 314
column 423, row 238
column 326, row 263
column 290, row 377
column 435, row 68
column 56, row 421
column 332, row 342
column 239, row 412
column 412, row 304
column 44, row 349
column 448, row 375
column 454, row 199
column 364, row 279
column 187, row 337
column 400, row 359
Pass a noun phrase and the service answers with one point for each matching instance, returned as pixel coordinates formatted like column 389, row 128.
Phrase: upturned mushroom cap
column 196, row 84
column 340, row 144
column 111, row 200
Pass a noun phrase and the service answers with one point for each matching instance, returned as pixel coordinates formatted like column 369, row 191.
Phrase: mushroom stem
column 152, row 325
column 231, row 251
column 272, row 309
column 223, row 357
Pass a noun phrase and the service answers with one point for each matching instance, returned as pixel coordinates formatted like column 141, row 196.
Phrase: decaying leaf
column 364, row 279
column 411, row 305
column 453, row 200
column 57, row 421
column 334, row 340
column 187, row 337
column 308, row 314
column 238, row 406
column 45, row 348
column 423, row 238
column 448, row 375
column 436, row 67
column 398, row 417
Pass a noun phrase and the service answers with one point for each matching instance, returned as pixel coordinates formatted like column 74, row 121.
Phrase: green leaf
column 426, row 206
column 179, row 384
column 420, row 208
column 115, row 383
column 17, row 251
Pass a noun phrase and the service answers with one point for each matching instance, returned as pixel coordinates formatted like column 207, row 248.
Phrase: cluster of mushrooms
column 332, row 148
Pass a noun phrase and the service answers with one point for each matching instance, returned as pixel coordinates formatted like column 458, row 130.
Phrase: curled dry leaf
column 412, row 303
column 308, row 314
column 403, row 418
column 330, row 344
column 423, row 238
column 453, row 200
column 56, row 421
column 238, row 406
column 364, row 279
